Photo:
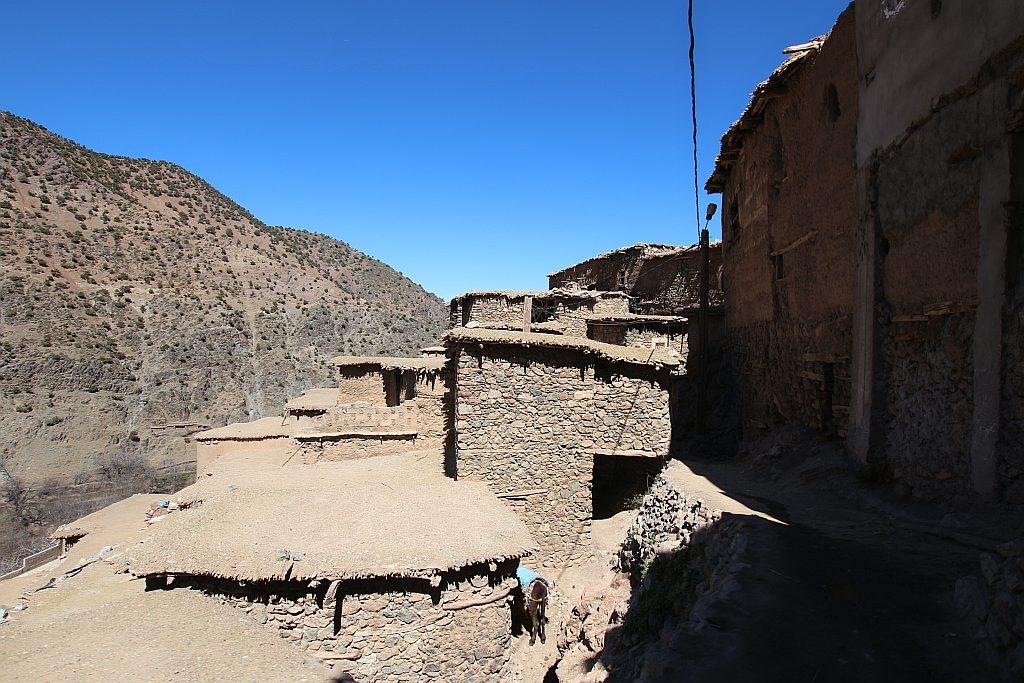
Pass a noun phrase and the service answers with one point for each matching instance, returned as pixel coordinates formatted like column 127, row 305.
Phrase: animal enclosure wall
column 388, row 629
column 529, row 420
column 361, row 384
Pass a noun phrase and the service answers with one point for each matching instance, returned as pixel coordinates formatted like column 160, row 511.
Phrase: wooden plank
column 527, row 313
column 523, row 494
column 796, row 243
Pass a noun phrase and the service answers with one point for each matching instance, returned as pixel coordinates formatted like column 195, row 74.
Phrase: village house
column 383, row 569
column 855, row 306
column 641, row 331
column 660, row 279
column 381, row 406
column 789, row 205
column 558, row 311
column 546, row 420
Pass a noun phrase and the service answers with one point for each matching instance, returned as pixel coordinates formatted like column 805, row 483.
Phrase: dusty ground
column 99, row 625
column 533, row 663
column 838, row 580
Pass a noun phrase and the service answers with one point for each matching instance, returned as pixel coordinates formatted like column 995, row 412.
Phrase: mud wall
column 361, row 385
column 530, row 419
column 389, row 629
column 788, row 221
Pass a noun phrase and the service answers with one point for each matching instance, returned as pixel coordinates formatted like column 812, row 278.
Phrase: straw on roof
column 624, row 354
column 264, row 428
column 557, row 293
column 378, row 517
column 68, row 531
column 645, row 247
column 313, row 400
column 636, row 318
column 750, row 119
column 389, row 363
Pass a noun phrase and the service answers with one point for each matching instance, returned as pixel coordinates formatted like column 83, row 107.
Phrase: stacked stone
column 1011, row 438
column 395, row 636
column 667, row 520
column 534, row 424
column 994, row 603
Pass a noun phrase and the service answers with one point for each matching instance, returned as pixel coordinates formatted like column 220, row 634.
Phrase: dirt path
column 837, row 583
column 532, row 664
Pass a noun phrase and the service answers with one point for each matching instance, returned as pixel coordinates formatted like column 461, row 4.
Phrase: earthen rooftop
column 388, row 363
column 377, row 517
column 314, row 399
column 610, row 352
column 264, row 428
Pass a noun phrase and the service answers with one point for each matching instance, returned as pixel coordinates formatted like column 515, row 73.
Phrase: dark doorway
column 620, row 482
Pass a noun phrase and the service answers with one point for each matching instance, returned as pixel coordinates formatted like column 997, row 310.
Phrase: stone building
column 787, row 174
column 384, row 570
column 558, row 311
column 380, row 406
column 641, row 331
column 872, row 233
column 541, row 418
column 660, row 279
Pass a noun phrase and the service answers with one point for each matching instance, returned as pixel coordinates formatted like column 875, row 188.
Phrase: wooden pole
column 705, row 304
column 527, row 313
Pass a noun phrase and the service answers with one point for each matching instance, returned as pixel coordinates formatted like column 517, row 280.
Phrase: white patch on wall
column 891, row 8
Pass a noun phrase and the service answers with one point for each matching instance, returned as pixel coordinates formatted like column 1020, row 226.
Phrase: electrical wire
column 693, row 116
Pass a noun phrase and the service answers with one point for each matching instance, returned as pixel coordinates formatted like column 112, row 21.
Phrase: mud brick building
column 872, row 244
column 787, row 173
column 421, row 592
column 380, row 406
column 539, row 418
column 660, row 279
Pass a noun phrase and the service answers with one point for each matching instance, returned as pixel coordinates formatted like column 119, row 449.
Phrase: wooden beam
column 796, row 243
column 522, row 494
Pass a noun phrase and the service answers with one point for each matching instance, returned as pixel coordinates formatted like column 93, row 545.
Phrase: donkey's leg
column 542, row 619
column 533, row 626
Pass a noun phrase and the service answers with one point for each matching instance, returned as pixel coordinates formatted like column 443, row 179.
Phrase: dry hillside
column 135, row 297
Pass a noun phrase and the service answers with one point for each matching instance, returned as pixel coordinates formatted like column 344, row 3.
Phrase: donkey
column 536, row 608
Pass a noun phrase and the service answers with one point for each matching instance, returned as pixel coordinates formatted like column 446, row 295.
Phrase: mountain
column 137, row 303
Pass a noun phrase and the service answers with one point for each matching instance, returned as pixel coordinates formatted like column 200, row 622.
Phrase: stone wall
column 354, row 446
column 669, row 284
column 488, row 308
column 530, row 419
column 571, row 313
column 993, row 602
column 788, row 222
column 389, row 629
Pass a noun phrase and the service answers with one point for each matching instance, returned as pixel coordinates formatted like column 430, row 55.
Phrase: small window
column 734, row 219
column 620, row 280
column 779, row 266
column 832, row 109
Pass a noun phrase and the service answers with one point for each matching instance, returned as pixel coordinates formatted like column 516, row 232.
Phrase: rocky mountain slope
column 138, row 303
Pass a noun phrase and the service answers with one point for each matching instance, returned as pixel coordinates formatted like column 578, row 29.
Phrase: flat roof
column 558, row 293
column 624, row 354
column 264, row 428
column 389, row 363
column 636, row 318
column 314, row 399
column 376, row 517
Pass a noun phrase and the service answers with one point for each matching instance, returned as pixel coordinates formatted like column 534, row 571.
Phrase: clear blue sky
column 468, row 143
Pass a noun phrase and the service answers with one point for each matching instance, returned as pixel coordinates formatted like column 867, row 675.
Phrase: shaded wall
column 788, row 223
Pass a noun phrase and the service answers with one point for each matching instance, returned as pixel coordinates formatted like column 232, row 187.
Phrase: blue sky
column 469, row 143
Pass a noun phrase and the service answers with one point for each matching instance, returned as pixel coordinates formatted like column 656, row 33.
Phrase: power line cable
column 693, row 116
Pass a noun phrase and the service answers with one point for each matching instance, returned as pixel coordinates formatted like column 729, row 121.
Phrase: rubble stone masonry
column 389, row 629
column 530, row 419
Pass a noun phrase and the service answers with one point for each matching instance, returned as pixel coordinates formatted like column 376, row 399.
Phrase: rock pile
column 994, row 603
